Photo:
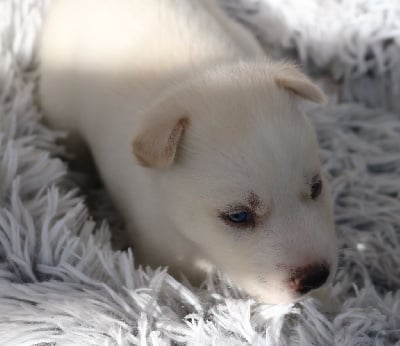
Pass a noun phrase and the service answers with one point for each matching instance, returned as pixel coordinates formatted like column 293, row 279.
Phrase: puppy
column 197, row 136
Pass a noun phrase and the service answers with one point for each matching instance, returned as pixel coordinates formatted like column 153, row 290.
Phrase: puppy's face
column 245, row 182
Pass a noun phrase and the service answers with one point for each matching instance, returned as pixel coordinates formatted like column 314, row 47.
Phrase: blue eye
column 241, row 217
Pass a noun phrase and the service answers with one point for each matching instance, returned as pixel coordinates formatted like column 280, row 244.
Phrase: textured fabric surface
column 60, row 281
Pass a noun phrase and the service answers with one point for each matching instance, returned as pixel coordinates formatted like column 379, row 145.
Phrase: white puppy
column 197, row 136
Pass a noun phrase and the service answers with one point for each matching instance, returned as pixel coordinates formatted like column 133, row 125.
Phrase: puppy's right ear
column 289, row 77
column 157, row 143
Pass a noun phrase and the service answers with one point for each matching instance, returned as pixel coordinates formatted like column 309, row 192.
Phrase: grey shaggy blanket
column 61, row 283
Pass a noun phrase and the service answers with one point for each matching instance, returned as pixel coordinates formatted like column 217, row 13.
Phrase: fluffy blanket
column 61, row 283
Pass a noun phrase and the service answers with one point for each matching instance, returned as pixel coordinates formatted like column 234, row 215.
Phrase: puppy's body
column 187, row 91
column 113, row 62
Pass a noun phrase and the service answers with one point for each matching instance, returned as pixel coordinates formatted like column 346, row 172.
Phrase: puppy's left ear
column 291, row 78
column 157, row 142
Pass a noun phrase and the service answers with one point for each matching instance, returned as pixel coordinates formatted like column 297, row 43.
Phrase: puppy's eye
column 316, row 187
column 239, row 218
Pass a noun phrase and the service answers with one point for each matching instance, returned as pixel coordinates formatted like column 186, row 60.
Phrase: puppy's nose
column 308, row 278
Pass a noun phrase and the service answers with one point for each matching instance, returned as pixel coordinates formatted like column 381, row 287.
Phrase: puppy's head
column 238, row 167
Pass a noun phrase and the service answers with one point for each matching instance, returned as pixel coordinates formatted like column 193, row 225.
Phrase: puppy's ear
column 290, row 78
column 157, row 143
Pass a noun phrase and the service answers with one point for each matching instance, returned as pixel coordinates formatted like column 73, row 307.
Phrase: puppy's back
column 89, row 47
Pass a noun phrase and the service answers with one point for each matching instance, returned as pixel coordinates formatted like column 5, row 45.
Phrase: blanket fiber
column 61, row 282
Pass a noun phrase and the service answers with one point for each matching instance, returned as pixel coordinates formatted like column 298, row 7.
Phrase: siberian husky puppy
column 198, row 137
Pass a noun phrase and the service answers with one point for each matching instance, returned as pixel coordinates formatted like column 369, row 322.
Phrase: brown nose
column 303, row 280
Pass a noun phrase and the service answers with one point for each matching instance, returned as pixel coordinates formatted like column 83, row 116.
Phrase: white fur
column 125, row 65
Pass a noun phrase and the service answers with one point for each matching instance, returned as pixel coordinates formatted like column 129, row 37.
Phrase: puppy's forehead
column 248, row 137
column 253, row 126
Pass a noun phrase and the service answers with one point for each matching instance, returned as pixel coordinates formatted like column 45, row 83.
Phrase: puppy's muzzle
column 305, row 279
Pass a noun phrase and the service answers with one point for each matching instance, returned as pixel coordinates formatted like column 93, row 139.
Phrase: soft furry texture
column 60, row 281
